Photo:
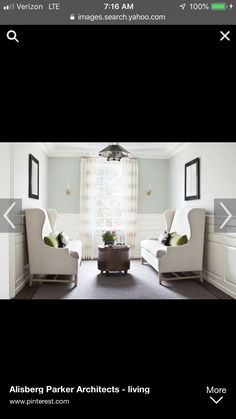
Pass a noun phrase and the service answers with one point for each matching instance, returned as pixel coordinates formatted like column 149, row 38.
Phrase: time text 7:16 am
column 117, row 6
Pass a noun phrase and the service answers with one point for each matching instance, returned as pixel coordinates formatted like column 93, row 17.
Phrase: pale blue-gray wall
column 67, row 169
column 155, row 172
column 218, row 179
column 63, row 170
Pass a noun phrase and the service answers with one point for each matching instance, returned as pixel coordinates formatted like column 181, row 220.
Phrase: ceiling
column 91, row 149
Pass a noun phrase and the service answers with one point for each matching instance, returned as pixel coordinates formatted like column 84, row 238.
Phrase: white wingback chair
column 45, row 260
column 178, row 259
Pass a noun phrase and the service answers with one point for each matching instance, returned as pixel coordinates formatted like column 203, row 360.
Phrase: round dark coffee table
column 113, row 258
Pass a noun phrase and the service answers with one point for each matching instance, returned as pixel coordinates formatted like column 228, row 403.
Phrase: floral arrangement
column 109, row 236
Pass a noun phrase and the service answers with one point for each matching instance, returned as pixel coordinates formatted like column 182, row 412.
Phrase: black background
column 124, row 84
column 176, row 348
column 159, row 83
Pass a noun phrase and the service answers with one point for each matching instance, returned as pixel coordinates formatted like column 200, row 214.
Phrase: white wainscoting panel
column 148, row 225
column 214, row 257
column 70, row 224
column 220, row 258
column 230, row 262
column 21, row 263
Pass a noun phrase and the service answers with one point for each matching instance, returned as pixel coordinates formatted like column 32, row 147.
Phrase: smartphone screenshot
column 117, row 206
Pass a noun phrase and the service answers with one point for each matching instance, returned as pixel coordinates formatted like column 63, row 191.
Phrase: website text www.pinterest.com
column 32, row 402
column 121, row 17
column 90, row 390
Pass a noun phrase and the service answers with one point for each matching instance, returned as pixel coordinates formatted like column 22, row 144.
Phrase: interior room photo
column 118, row 220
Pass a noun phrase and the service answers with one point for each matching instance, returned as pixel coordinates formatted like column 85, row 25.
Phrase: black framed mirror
column 33, row 177
column 192, row 180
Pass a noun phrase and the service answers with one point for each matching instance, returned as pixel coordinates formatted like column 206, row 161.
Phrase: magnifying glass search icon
column 11, row 35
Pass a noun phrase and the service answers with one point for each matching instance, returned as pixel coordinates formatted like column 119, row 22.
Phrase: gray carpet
column 140, row 283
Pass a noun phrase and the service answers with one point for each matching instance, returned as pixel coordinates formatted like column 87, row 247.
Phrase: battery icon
column 218, row 6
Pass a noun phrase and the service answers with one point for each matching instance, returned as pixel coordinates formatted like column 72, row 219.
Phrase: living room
column 126, row 196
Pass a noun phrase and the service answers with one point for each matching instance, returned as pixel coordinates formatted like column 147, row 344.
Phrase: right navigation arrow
column 229, row 215
column 216, row 401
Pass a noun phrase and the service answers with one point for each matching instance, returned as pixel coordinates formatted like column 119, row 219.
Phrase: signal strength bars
column 9, row 6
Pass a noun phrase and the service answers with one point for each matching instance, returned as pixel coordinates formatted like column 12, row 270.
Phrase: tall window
column 109, row 201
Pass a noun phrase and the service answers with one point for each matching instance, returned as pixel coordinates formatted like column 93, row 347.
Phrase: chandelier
column 114, row 152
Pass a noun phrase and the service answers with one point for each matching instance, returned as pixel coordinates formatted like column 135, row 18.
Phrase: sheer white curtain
column 130, row 177
column 87, row 205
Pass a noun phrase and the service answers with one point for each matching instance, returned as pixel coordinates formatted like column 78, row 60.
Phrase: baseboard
column 217, row 285
column 22, row 283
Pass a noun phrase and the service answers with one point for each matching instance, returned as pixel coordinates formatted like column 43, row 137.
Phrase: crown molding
column 139, row 153
column 46, row 147
column 178, row 150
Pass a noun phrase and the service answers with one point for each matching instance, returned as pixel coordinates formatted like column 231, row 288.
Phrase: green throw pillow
column 177, row 239
column 51, row 241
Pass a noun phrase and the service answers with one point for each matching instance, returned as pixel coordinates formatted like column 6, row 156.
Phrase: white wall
column 5, row 192
column 20, row 175
column 217, row 171
column 21, row 169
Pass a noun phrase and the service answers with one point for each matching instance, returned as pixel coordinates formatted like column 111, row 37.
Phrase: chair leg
column 142, row 260
column 30, row 280
column 76, row 280
column 201, row 276
column 160, row 278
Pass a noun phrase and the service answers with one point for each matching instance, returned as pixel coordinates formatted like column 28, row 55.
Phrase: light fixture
column 68, row 189
column 149, row 190
column 114, row 152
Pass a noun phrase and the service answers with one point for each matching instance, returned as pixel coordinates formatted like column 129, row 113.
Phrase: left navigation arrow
column 5, row 215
